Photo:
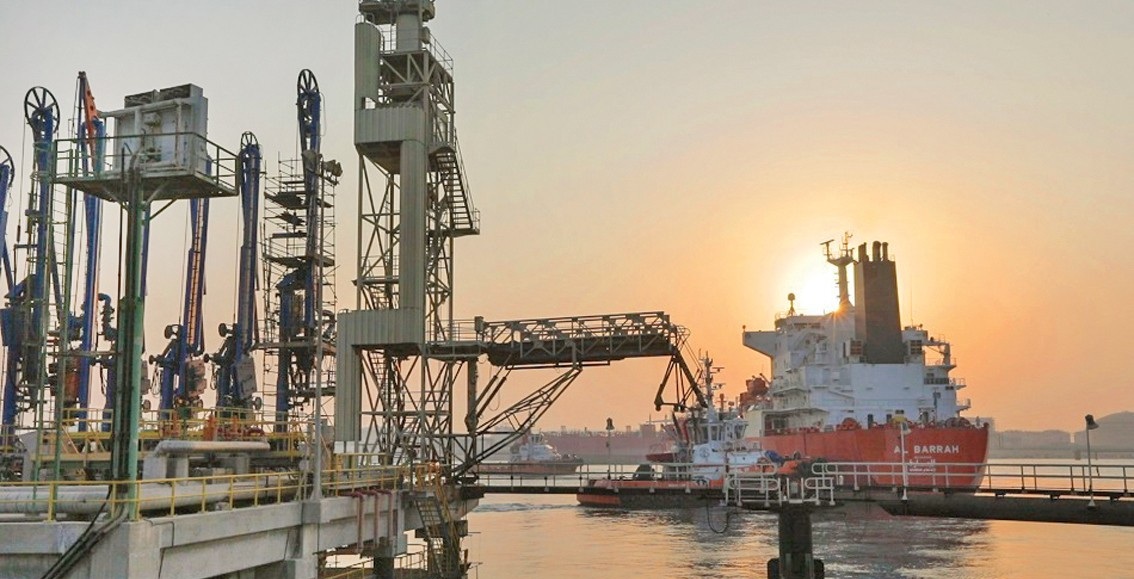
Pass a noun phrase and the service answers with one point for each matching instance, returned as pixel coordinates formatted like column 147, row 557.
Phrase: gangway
column 1047, row 480
column 568, row 343
column 580, row 339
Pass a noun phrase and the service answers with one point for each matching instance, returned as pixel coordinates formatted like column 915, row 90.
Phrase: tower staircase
column 440, row 532
column 465, row 219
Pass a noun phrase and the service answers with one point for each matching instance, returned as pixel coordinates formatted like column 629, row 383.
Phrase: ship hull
column 935, row 456
column 653, row 494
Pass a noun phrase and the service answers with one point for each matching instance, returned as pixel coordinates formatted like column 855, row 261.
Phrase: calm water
column 551, row 537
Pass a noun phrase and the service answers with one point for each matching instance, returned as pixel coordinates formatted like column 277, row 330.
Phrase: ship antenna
column 844, row 259
column 791, row 304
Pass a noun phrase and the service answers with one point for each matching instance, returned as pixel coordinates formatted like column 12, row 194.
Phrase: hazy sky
column 691, row 156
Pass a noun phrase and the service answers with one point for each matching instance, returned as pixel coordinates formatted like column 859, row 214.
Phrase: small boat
column 708, row 445
column 532, row 455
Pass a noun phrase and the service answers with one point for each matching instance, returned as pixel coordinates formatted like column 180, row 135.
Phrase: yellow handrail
column 167, row 495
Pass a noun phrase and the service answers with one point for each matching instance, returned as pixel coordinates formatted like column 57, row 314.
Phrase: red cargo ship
column 855, row 386
column 613, row 447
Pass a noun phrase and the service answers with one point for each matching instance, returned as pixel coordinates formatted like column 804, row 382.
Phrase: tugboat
column 708, row 444
column 533, row 456
column 854, row 385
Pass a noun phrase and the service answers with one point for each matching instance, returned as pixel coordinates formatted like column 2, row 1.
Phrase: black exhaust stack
column 876, row 317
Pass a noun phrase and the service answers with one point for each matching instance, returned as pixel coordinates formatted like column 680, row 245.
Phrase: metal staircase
column 465, row 219
column 442, row 539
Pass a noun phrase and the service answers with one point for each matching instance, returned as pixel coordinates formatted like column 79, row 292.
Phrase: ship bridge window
column 915, row 347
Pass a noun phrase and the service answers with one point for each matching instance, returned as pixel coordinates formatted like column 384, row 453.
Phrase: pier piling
column 796, row 560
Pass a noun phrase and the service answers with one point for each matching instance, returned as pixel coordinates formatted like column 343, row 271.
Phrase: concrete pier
column 1080, row 509
column 269, row 541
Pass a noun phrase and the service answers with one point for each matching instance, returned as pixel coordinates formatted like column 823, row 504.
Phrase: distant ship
column 625, row 446
column 855, row 386
column 533, row 456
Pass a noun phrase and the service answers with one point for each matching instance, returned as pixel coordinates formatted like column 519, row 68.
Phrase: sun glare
column 816, row 288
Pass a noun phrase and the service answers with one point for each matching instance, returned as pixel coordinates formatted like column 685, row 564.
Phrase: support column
column 127, row 403
column 796, row 560
column 383, row 567
column 411, row 247
column 471, row 423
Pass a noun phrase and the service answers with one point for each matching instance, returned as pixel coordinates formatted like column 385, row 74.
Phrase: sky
column 690, row 157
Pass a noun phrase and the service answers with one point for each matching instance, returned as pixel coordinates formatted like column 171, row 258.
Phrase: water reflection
column 552, row 537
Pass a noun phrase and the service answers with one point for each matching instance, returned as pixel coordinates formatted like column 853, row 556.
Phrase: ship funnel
column 876, row 318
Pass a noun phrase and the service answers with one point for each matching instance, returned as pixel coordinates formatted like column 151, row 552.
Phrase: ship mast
column 843, row 259
column 708, row 376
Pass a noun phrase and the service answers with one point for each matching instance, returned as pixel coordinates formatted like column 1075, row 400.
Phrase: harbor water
column 550, row 536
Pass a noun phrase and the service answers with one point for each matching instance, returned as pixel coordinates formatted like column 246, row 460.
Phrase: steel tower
column 400, row 351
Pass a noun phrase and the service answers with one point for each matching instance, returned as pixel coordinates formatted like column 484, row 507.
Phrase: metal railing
column 989, row 477
column 769, row 488
column 168, row 496
column 1073, row 478
column 578, row 479
column 697, row 475
column 155, row 155
column 82, row 426
column 931, row 475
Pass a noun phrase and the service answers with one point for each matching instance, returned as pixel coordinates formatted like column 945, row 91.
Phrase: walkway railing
column 1052, row 479
column 769, row 488
column 537, row 482
column 168, row 496
column 85, row 432
column 991, row 477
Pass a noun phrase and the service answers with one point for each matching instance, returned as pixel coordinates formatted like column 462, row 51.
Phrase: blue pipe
column 16, row 327
column 288, row 332
column 310, row 124
column 5, row 259
column 9, row 411
column 90, row 147
column 241, row 337
column 186, row 339
column 43, row 134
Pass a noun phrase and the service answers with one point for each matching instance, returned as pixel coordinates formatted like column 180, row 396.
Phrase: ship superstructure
column 853, row 385
column 857, row 363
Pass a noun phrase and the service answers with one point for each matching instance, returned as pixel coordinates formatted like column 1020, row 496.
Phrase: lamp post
column 902, row 428
column 1091, row 425
column 609, row 429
